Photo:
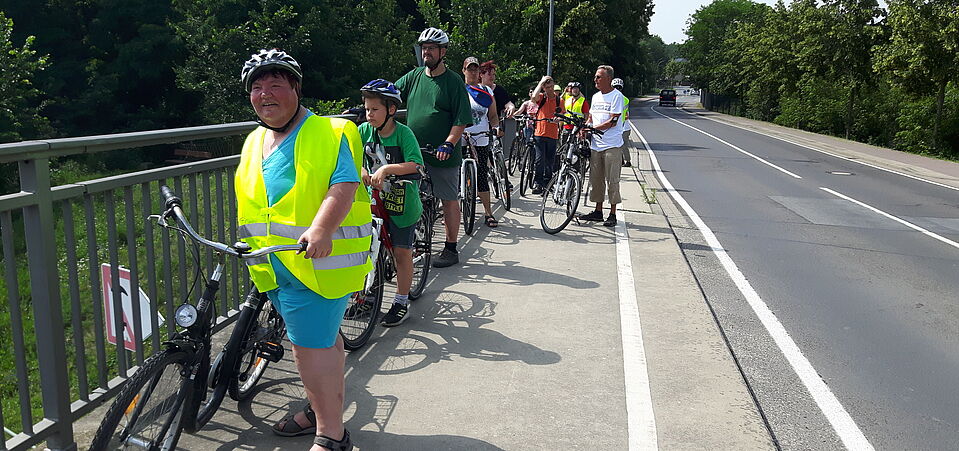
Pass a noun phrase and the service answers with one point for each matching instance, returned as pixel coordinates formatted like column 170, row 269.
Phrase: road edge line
column 842, row 423
column 640, row 419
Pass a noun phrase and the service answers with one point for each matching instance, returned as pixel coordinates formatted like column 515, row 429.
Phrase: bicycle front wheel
column 468, row 206
column 147, row 412
column 263, row 344
column 560, row 199
column 514, row 158
column 360, row 317
column 526, row 173
column 422, row 246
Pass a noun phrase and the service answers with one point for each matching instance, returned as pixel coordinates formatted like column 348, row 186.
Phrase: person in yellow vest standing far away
column 297, row 182
column 618, row 84
column 575, row 102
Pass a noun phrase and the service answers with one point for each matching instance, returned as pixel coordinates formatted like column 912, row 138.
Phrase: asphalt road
column 871, row 302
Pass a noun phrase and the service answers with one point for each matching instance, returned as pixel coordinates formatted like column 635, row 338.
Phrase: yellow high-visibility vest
column 574, row 105
column 315, row 153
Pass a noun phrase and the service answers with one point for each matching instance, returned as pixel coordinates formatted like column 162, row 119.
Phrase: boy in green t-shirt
column 381, row 100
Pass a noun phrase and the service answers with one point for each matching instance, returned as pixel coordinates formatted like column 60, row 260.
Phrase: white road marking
column 845, row 427
column 894, row 218
column 828, row 153
column 728, row 144
column 640, row 420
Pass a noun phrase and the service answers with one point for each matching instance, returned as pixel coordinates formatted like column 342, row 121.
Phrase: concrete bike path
column 521, row 348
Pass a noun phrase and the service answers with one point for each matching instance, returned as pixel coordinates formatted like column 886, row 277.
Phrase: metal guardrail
column 65, row 233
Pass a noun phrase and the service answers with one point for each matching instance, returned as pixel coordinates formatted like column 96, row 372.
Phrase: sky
column 670, row 17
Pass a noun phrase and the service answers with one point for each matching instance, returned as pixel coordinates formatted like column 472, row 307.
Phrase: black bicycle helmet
column 433, row 36
column 266, row 59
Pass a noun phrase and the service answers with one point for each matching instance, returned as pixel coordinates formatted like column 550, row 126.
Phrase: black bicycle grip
column 169, row 198
column 413, row 176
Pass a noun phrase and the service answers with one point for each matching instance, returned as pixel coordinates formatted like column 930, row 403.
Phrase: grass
column 78, row 306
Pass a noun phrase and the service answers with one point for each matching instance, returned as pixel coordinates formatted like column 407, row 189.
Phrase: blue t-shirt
column 279, row 168
column 279, row 174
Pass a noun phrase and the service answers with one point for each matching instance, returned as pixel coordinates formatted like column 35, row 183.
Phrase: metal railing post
column 38, row 221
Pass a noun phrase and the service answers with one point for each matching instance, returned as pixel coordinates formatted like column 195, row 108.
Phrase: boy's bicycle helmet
column 384, row 88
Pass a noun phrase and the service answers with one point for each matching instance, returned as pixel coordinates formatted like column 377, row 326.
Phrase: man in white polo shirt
column 606, row 157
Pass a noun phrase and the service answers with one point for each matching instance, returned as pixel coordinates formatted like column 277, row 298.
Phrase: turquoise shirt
column 279, row 175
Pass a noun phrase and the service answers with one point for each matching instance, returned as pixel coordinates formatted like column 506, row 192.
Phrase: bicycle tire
column 363, row 308
column 131, row 402
column 562, row 204
column 526, row 174
column 422, row 248
column 514, row 158
column 267, row 327
column 468, row 207
column 506, row 191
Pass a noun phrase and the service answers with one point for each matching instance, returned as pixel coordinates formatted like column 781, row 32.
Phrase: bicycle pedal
column 270, row 351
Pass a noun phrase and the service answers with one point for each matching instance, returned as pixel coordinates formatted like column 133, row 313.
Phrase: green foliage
column 836, row 67
column 20, row 116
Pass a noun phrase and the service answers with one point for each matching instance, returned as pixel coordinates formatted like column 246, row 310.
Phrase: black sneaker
column 610, row 221
column 358, row 310
column 446, row 258
column 537, row 189
column 592, row 216
column 396, row 315
column 627, row 164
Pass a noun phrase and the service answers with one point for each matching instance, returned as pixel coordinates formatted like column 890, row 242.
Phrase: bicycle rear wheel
column 147, row 412
column 560, row 199
column 359, row 320
column 468, row 205
column 422, row 248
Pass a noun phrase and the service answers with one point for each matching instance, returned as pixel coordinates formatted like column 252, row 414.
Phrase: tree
column 19, row 110
column 837, row 40
column 709, row 31
column 923, row 53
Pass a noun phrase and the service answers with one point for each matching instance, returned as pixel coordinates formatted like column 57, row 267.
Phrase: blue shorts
column 312, row 321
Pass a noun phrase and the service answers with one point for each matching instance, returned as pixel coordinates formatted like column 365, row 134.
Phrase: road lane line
column 728, row 144
column 828, row 152
column 640, row 420
column 894, row 218
column 845, row 427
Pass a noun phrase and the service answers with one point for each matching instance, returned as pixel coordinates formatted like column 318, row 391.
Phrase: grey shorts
column 446, row 182
column 401, row 236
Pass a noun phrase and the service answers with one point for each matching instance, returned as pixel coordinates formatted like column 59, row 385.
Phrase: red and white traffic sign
column 126, row 309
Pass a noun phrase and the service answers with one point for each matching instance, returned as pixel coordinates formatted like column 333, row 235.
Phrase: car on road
column 667, row 97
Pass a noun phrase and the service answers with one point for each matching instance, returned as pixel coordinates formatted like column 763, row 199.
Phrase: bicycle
column 561, row 195
column 527, row 164
column 518, row 145
column 467, row 194
column 168, row 393
column 364, row 306
column 498, row 179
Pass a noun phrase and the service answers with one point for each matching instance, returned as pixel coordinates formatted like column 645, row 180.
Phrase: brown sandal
column 291, row 428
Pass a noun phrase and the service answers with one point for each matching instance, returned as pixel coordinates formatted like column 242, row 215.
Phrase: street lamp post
column 549, row 49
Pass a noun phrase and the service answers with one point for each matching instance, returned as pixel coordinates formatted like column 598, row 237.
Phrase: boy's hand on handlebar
column 319, row 243
column 378, row 178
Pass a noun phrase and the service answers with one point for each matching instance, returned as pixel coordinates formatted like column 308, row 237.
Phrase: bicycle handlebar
column 239, row 250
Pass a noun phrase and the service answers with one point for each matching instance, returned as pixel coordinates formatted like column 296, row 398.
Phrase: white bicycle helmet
column 266, row 59
column 617, row 83
column 433, row 36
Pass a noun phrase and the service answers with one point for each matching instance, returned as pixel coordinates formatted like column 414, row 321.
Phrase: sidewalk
column 520, row 348
column 939, row 171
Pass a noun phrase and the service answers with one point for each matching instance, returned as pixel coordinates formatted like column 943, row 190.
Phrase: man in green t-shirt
column 402, row 156
column 438, row 110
